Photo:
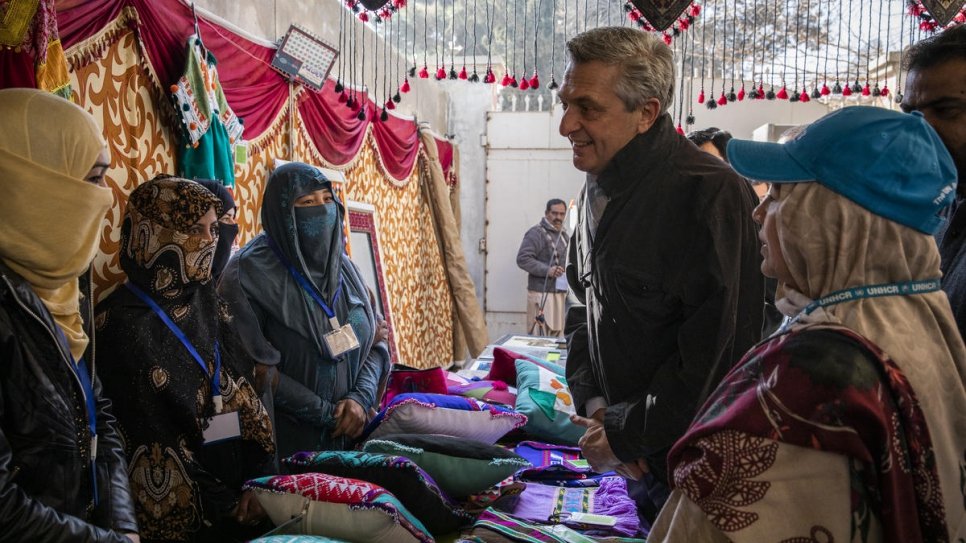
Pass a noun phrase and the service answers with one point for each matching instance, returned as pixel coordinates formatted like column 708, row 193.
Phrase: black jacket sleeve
column 580, row 376
column 23, row 518
column 719, row 269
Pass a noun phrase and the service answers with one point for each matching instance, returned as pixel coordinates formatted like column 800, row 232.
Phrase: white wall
column 527, row 163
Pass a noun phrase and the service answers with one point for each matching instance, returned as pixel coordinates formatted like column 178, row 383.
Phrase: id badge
column 341, row 339
column 222, row 427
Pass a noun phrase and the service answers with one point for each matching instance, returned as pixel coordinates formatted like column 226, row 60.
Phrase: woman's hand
column 350, row 419
column 382, row 331
column 249, row 511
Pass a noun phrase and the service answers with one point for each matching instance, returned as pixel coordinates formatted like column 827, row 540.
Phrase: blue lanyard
column 90, row 406
column 216, row 378
column 308, row 287
column 905, row 288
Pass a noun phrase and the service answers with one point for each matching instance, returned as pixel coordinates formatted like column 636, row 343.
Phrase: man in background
column 665, row 257
column 542, row 255
column 936, row 87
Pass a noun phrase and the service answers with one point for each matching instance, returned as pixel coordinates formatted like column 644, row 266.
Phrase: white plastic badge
column 589, row 519
column 222, row 427
column 341, row 339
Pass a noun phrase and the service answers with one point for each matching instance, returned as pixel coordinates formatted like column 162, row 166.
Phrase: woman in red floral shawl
column 849, row 423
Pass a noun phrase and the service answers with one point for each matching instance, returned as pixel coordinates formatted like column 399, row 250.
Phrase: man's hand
column 350, row 419
column 633, row 470
column 249, row 511
column 599, row 415
column 594, row 445
column 133, row 537
column 557, row 271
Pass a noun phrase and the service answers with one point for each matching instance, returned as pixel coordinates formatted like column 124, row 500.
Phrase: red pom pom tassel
column 782, row 94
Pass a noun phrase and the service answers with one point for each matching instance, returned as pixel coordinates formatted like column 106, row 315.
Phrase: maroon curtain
column 255, row 91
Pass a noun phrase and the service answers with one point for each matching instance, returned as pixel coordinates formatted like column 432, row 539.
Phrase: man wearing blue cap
column 936, row 86
column 664, row 257
column 848, row 424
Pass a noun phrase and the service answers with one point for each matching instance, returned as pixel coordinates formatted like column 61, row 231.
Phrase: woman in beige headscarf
column 62, row 468
column 848, row 424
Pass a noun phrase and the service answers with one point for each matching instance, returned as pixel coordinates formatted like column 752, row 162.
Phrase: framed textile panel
column 364, row 252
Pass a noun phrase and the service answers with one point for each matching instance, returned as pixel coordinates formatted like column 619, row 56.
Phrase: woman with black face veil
column 303, row 309
column 227, row 225
column 193, row 426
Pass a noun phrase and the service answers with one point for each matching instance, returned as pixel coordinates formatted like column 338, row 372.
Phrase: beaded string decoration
column 711, row 103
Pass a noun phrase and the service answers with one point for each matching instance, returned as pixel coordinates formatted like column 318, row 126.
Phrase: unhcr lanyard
column 308, row 287
column 905, row 288
column 90, row 406
column 216, row 378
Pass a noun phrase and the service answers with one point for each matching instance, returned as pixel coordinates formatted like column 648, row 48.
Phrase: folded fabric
column 494, row 526
column 446, row 415
column 545, row 503
column 296, row 539
column 404, row 380
column 412, row 486
column 337, row 507
column 487, row 391
column 461, row 467
column 546, row 454
column 544, row 397
column 504, row 365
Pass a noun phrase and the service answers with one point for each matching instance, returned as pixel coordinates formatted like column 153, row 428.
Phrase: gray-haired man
column 665, row 256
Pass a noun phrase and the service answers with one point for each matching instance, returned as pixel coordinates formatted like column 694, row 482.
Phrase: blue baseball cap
column 892, row 164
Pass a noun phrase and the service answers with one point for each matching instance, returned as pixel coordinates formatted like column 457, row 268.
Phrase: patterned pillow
column 488, row 391
column 447, row 415
column 461, row 466
column 544, row 397
column 337, row 507
column 411, row 485
column 504, row 365
column 492, row 526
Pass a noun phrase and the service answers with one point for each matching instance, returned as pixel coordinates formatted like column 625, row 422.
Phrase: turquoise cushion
column 461, row 467
column 296, row 539
column 544, row 397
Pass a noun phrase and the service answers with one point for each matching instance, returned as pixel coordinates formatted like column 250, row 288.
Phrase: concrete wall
column 270, row 19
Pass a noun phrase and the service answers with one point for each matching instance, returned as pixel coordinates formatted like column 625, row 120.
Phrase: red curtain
column 255, row 91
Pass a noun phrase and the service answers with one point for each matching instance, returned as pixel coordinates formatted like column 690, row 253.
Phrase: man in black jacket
column 665, row 258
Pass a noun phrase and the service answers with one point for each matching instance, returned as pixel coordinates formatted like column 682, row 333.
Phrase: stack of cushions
column 411, row 485
column 455, row 416
column 349, row 509
column 461, row 467
column 539, row 503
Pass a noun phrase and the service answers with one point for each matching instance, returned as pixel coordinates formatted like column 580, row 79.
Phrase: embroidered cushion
column 408, row 482
column 337, row 507
column 551, row 466
column 504, row 365
column 544, row 397
column 461, row 466
column 403, row 379
column 447, row 415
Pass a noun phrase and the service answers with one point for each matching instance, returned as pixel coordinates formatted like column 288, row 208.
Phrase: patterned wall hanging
column 942, row 12
column 661, row 14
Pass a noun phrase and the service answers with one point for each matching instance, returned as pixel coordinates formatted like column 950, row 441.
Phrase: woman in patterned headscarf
column 192, row 423
column 297, row 298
